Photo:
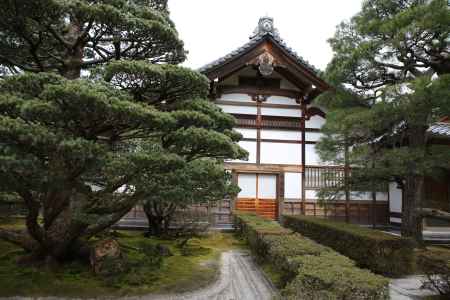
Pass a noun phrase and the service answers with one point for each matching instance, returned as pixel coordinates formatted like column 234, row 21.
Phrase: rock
column 164, row 250
column 107, row 259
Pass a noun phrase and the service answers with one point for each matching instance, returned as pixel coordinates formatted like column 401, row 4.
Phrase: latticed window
column 321, row 177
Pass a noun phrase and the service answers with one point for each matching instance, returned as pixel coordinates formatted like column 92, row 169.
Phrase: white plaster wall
column 273, row 134
column 313, row 136
column 279, row 153
column 395, row 198
column 236, row 97
column 311, row 194
column 247, row 133
column 312, row 158
column 364, row 196
column 315, row 122
column 281, row 112
column 267, row 186
column 395, row 220
column 281, row 100
column 233, row 109
column 247, row 184
column 251, row 149
column 292, row 185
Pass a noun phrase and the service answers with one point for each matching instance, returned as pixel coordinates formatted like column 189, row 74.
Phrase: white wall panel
column 281, row 112
column 395, row 220
column 267, row 186
column 313, row 136
column 311, row 194
column 247, row 184
column 247, row 133
column 366, row 196
column 382, row 196
column 281, row 134
column 236, row 97
column 232, row 109
column 315, row 122
column 279, row 153
column 251, row 149
column 395, row 198
column 281, row 100
column 293, row 185
column 312, row 158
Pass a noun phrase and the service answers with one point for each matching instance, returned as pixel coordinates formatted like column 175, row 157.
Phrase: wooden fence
column 360, row 212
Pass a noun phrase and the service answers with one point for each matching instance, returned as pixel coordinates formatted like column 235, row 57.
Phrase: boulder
column 107, row 258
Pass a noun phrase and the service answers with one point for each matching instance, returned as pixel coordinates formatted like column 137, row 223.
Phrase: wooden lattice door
column 258, row 194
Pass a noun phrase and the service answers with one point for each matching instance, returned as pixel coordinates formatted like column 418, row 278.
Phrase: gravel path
column 240, row 279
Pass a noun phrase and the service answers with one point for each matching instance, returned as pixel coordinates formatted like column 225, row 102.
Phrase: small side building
column 437, row 189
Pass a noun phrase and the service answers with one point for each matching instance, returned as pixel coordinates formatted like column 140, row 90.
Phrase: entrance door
column 258, row 194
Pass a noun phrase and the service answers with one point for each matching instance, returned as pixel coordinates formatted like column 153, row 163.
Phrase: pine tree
column 87, row 83
column 391, row 70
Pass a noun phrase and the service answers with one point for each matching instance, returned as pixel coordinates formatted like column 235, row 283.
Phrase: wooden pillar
column 347, row 182
column 258, row 100
column 303, row 128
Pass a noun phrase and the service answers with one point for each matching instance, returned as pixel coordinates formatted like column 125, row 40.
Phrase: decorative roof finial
column 265, row 26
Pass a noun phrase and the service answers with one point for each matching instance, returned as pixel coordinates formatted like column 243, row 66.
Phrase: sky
column 212, row 28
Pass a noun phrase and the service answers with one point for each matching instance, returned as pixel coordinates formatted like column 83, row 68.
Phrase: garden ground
column 186, row 270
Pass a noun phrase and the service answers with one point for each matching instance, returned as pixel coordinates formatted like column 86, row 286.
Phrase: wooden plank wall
column 360, row 212
column 264, row 207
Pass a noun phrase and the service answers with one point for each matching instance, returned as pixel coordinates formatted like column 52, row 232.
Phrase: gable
column 267, row 54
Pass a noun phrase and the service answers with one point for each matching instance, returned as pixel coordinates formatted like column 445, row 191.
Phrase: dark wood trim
column 222, row 90
column 260, row 140
column 258, row 132
column 270, row 123
column 395, row 214
column 253, row 104
column 303, row 178
column 262, row 168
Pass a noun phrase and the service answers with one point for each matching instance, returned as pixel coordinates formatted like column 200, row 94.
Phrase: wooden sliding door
column 258, row 194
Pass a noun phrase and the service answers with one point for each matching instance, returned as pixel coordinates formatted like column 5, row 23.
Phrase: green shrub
column 331, row 277
column 378, row 251
column 308, row 270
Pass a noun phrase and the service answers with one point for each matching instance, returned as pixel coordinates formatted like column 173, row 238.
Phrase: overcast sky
column 213, row 28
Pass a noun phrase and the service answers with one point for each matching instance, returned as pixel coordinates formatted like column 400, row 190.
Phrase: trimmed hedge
column 378, row 251
column 309, row 270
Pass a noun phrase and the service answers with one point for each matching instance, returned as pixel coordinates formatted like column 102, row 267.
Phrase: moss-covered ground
column 183, row 271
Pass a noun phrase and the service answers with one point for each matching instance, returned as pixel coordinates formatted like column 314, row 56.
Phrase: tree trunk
column 74, row 53
column 374, row 208
column 411, row 218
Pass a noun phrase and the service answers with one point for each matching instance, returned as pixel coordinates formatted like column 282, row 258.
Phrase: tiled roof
column 440, row 130
column 260, row 35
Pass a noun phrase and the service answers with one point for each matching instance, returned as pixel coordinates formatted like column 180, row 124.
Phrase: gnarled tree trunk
column 159, row 216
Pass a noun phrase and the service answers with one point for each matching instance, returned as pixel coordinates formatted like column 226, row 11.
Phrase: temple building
column 270, row 90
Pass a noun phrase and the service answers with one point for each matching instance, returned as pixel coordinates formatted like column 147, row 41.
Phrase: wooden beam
column 303, row 126
column 223, row 90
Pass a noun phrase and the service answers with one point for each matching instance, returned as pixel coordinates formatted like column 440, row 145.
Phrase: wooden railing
column 321, row 177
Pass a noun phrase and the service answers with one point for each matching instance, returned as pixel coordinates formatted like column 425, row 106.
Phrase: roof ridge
column 264, row 29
